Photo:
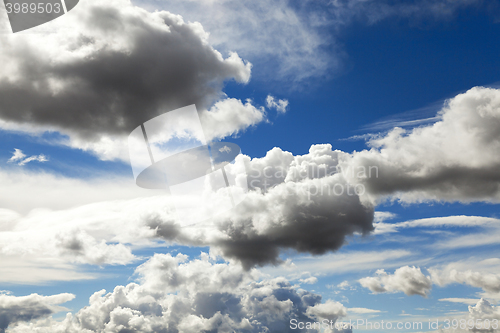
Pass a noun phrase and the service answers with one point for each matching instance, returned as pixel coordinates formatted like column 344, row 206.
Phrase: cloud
column 18, row 309
column 486, row 277
column 409, row 280
column 55, row 192
column 454, row 159
column 105, row 68
column 282, row 40
column 280, row 105
column 291, row 206
column 445, row 221
column 173, row 293
column 229, row 117
column 482, row 317
column 329, row 310
column 297, row 42
column 484, row 274
column 39, row 158
column 467, row 301
column 20, row 157
column 362, row 310
column 341, row 262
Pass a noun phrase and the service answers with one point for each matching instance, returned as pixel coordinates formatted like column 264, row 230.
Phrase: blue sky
column 408, row 87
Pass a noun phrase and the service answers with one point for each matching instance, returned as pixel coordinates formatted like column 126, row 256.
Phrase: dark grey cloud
column 108, row 67
column 295, row 202
column 314, row 227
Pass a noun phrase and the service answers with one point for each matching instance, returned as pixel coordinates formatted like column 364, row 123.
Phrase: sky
column 368, row 179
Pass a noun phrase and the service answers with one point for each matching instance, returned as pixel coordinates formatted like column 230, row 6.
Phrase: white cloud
column 483, row 313
column 293, row 42
column 99, row 221
column 467, row 301
column 20, row 158
column 229, row 117
column 454, row 159
column 344, row 285
column 18, row 155
column 309, row 280
column 265, row 32
column 23, row 191
column 409, row 280
column 25, row 308
column 445, row 221
column 329, row 310
column 191, row 297
column 362, row 311
column 483, row 274
column 280, row 105
column 341, row 263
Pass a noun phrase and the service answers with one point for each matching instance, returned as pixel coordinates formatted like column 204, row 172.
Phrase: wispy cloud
column 20, row 158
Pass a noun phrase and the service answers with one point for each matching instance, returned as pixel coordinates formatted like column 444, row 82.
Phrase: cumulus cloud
column 481, row 318
column 19, row 309
column 174, row 294
column 454, row 159
column 229, row 117
column 293, row 204
column 106, row 68
column 329, row 310
column 409, row 280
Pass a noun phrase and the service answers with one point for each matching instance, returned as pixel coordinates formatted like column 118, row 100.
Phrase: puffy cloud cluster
column 19, row 309
column 409, row 280
column 482, row 317
column 106, row 67
column 293, row 204
column 455, row 159
column 177, row 295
